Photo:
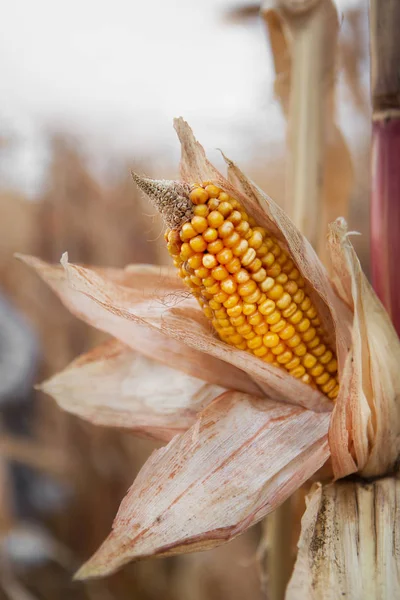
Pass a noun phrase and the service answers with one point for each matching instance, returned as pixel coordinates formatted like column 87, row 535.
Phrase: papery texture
column 115, row 386
column 133, row 315
column 350, row 543
column 241, row 459
column 364, row 433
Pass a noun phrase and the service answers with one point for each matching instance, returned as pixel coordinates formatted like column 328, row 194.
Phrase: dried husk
column 350, row 543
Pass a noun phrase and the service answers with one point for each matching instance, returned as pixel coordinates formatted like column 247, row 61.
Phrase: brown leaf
column 366, row 419
column 349, row 545
column 115, row 386
column 134, row 316
column 241, row 459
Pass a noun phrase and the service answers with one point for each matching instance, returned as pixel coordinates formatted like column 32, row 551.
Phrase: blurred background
column 88, row 90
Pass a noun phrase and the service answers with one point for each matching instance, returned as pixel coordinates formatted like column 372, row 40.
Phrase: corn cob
column 245, row 282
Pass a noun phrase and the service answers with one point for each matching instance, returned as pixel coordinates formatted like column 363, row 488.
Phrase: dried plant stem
column 279, row 557
column 385, row 171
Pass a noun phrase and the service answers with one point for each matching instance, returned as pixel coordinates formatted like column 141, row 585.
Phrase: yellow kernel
column 284, row 302
column 247, row 288
column 208, row 312
column 332, row 395
column 271, row 340
column 303, row 325
column 289, row 312
column 187, row 232
column 306, row 304
column 267, row 284
column 209, row 261
column 267, row 307
column 242, row 346
column 328, row 387
column 249, row 309
column 319, row 350
column 294, row 341
column 260, row 352
column 213, row 191
column 249, row 336
column 236, row 338
column 199, row 224
column 260, row 275
column 243, row 227
column 225, row 208
column 195, row 261
column 278, row 326
column 253, row 297
column 293, row 363
column 322, row 379
column 296, row 318
column 224, row 197
column 242, row 276
column 224, row 322
column 300, row 350
column 237, row 321
column 219, row 273
column 281, row 278
column 215, row 247
column 317, row 370
column 273, row 318
column 195, row 280
column 214, row 305
column 221, row 297
column 298, row 372
column 232, row 239
column 288, row 332
column 224, row 256
column 248, row 256
column 309, row 361
column 198, row 196
column 240, row 248
column 311, row 313
column 186, row 251
column 285, row 357
column 254, row 343
column 213, row 204
column 202, row 272
column 227, row 331
column 275, row 292
column 225, row 230
column 208, row 281
column 215, row 219
column 235, row 217
column 261, row 329
column 314, row 341
column 201, row 211
column 279, row 349
column 229, row 285
column 213, row 289
column 256, row 240
column 274, row 270
column 268, row 260
column 234, row 265
column 210, row 235
column 309, row 335
column 326, row 357
column 232, row 301
column 291, row 287
column 255, row 265
column 332, row 366
column 235, row 311
column 198, row 244
column 244, row 329
column 255, row 319
column 288, row 266
column 299, row 297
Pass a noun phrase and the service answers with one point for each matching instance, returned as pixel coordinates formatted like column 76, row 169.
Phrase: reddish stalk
column 385, row 158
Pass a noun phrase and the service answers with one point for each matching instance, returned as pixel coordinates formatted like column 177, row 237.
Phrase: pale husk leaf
column 350, row 543
column 134, row 317
column 364, row 432
column 241, row 459
column 115, row 386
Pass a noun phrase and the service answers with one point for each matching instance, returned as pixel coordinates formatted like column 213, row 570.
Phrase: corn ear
column 350, row 543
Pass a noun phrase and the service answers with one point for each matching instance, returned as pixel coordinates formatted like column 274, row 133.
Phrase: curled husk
column 350, row 543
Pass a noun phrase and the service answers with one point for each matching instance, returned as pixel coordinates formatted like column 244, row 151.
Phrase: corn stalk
column 385, row 171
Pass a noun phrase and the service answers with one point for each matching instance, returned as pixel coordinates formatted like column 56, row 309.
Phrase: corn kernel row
column 250, row 289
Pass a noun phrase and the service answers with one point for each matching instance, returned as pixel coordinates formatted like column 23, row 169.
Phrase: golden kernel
column 195, row 261
column 208, row 281
column 311, row 313
column 293, row 363
column 255, row 319
column 300, row 350
column 291, row 287
column 273, row 318
column 296, row 318
column 309, row 334
column 261, row 329
column 298, row 372
column 260, row 275
column 234, row 265
column 199, row 224
column 240, row 248
column 224, row 197
column 209, row 261
column 256, row 240
column 255, row 265
column 267, row 307
column 276, row 292
column 279, row 349
column 210, row 235
column 198, row 244
column 225, row 208
column 231, row 240
column 215, row 247
column 225, row 230
column 242, row 346
column 224, row 322
column 332, row 366
column 260, row 352
column 294, row 341
column 319, row 350
column 237, row 321
column 249, row 309
column 306, row 304
column 221, row 297
column 235, row 311
column 215, row 219
column 229, row 285
column 309, row 361
column 202, row 272
column 224, row 256
column 284, row 302
column 317, row 370
column 268, row 260
column 244, row 329
column 186, row 251
column 281, row 278
column 322, row 379
column 326, row 357
column 249, row 336
column 219, row 273
column 247, row 288
column 274, row 270
column 285, row 357
column 254, row 297
column 267, row 284
column 278, row 326
column 213, row 289
column 328, row 387
column 303, row 325
column 248, row 256
column 232, row 301
column 333, row 394
column 288, row 332
column 213, row 204
column 271, row 340
column 243, row 228
column 290, row 310
column 195, row 280
column 235, row 218
column 256, row 342
column 201, row 211
column 241, row 276
column 214, row 305
column 187, row 232
column 198, row 196
column 236, row 339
